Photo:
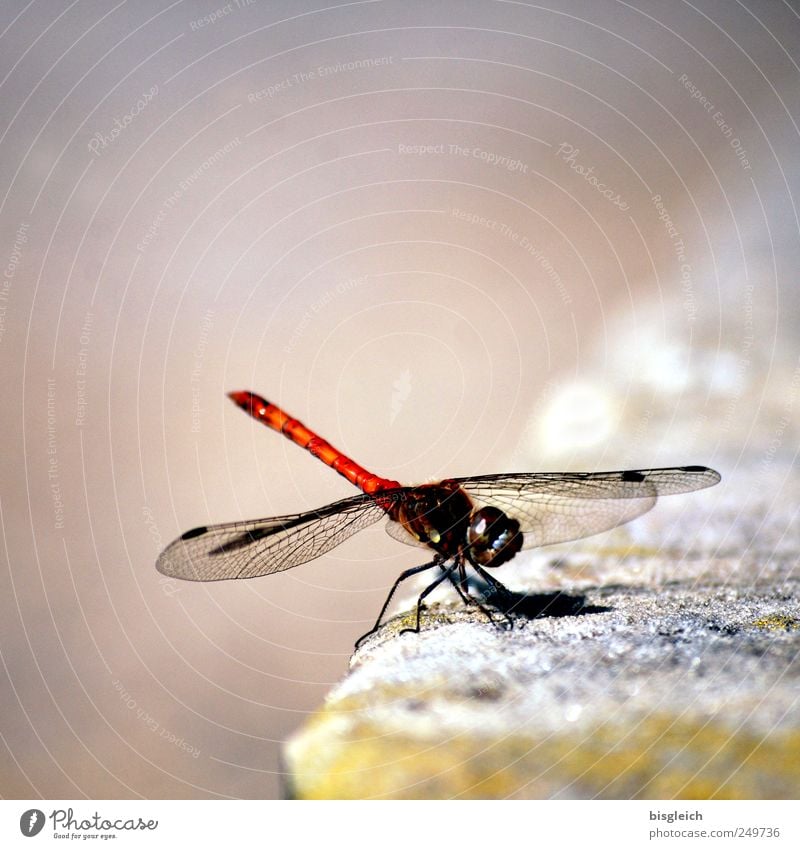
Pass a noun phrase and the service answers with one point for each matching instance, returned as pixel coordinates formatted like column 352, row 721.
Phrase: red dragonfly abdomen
column 274, row 417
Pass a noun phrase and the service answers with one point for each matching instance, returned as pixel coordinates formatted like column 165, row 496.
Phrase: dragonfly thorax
column 437, row 514
column 444, row 516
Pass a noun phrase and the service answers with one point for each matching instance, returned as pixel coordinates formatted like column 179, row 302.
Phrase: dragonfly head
column 492, row 538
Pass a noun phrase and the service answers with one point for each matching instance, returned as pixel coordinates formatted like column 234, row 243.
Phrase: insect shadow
column 535, row 605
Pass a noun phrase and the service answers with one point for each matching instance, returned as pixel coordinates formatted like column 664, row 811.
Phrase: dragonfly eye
column 493, row 538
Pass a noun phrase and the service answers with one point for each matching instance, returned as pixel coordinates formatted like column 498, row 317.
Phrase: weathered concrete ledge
column 686, row 691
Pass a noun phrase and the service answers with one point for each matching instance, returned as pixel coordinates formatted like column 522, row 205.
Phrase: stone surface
column 676, row 678
column 689, row 694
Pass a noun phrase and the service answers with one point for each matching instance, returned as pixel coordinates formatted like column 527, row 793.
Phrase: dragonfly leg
column 499, row 589
column 403, row 575
column 461, row 588
column 446, row 573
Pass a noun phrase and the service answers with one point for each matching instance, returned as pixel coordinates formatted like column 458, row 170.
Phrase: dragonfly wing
column 545, row 521
column 562, row 506
column 265, row 546
column 398, row 532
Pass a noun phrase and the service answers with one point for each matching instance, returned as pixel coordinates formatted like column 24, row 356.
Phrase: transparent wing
column 265, row 546
column 398, row 532
column 561, row 506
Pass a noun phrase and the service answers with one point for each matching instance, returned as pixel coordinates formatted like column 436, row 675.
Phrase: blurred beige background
column 455, row 238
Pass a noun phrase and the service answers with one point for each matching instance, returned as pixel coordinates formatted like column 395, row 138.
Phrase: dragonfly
column 470, row 524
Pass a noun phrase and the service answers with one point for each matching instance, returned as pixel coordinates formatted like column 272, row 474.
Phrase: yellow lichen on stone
column 344, row 754
column 778, row 622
